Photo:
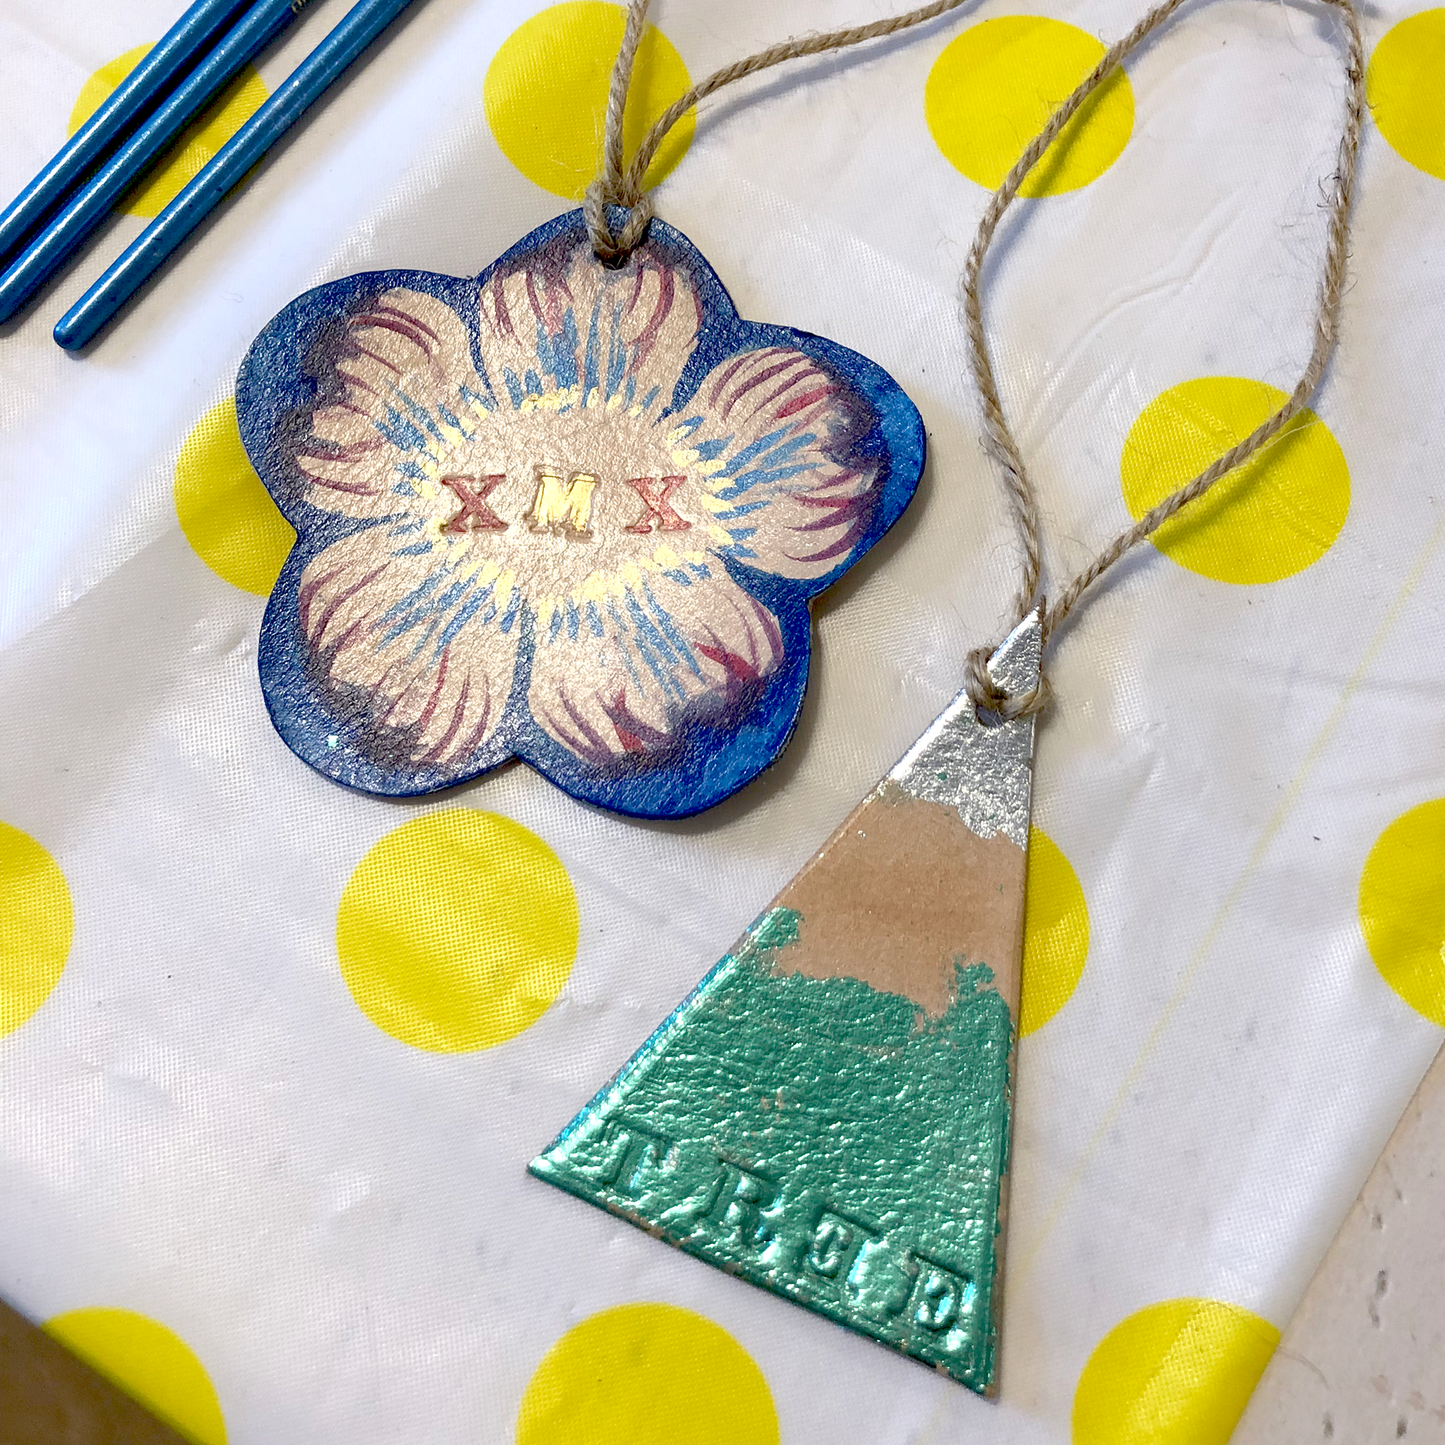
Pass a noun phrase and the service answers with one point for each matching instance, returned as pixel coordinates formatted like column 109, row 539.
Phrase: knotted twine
column 622, row 185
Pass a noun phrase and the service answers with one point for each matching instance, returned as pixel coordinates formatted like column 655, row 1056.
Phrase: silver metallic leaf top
column 983, row 770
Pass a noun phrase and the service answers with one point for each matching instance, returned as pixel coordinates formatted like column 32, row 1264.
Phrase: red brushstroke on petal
column 347, row 452
column 766, row 374
column 539, row 309
column 432, row 754
column 381, row 360
column 436, row 691
column 307, row 594
column 634, row 734
column 629, row 740
column 501, row 316
column 361, row 625
column 647, row 337
column 836, row 508
column 388, row 308
column 355, row 489
column 474, row 738
column 638, row 278
column 352, row 379
column 799, row 403
column 797, row 379
column 738, row 668
column 398, row 327
column 728, row 372
column 342, row 597
column 600, row 751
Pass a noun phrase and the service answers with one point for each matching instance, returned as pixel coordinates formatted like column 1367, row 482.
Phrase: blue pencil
column 47, row 253
column 296, row 94
column 114, row 117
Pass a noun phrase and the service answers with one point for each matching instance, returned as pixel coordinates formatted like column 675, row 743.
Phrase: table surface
column 301, row 1160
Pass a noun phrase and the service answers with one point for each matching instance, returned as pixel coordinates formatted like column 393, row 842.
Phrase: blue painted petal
column 465, row 613
column 469, row 396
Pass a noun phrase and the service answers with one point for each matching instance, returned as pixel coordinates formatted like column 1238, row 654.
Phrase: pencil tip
column 68, row 333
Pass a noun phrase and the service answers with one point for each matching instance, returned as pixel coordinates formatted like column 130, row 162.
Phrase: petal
column 788, row 491
column 418, row 648
column 576, row 332
column 406, row 381
column 619, row 673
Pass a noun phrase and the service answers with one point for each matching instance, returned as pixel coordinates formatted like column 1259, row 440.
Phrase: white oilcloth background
column 200, row 1125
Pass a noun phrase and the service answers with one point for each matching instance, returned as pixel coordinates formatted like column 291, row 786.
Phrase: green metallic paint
column 822, row 1139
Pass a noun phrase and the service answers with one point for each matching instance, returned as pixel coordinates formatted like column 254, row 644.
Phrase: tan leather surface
column 902, row 893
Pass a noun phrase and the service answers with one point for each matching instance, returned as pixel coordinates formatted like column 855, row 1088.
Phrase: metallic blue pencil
column 296, row 94
column 130, row 100
column 48, row 252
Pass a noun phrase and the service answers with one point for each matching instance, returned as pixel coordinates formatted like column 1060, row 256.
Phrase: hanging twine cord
column 999, row 440
column 611, row 187
column 622, row 185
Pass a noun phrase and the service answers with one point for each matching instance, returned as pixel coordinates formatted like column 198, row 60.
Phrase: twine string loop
column 998, row 439
column 620, row 184
column 614, row 186
column 990, row 699
column 617, row 185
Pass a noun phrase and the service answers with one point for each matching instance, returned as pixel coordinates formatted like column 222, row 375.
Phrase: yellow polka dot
column 193, row 148
column 1266, row 520
column 227, row 515
column 457, row 930
column 1406, row 72
column 150, row 1363
column 1175, row 1373
column 1056, row 933
column 546, row 91
column 1402, row 907
column 36, row 923
column 991, row 90
column 647, row 1374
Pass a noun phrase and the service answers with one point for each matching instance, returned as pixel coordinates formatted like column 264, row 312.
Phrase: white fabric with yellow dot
column 274, row 1055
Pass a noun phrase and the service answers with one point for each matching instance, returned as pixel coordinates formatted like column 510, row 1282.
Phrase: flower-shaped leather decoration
column 563, row 512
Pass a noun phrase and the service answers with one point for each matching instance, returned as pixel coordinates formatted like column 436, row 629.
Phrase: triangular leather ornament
column 827, row 1115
